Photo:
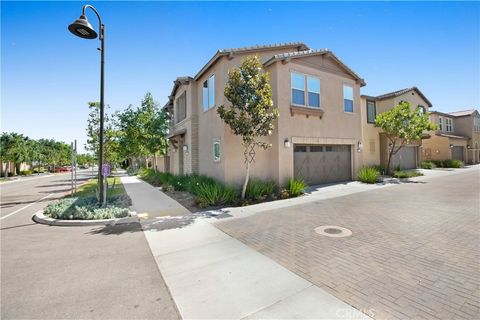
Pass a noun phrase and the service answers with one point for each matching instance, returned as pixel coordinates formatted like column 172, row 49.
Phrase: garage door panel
column 405, row 158
column 318, row 164
column 457, row 153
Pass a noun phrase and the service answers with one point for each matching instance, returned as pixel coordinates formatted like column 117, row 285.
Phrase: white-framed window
column 216, row 151
column 208, row 93
column 440, row 123
column 347, row 98
column 448, row 125
column 298, row 88
column 305, row 90
column 313, row 88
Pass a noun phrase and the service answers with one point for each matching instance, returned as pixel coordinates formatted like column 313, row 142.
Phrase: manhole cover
column 333, row 231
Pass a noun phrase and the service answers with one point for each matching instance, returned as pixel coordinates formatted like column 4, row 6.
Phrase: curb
column 40, row 218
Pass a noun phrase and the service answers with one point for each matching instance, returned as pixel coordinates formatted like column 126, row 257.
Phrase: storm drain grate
column 333, row 231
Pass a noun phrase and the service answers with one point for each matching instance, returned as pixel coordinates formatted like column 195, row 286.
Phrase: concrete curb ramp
column 39, row 217
column 214, row 276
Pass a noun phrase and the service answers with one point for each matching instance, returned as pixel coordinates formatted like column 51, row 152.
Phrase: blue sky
column 49, row 75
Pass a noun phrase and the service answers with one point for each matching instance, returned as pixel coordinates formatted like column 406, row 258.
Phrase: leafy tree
column 110, row 135
column 251, row 114
column 13, row 147
column 401, row 125
column 143, row 131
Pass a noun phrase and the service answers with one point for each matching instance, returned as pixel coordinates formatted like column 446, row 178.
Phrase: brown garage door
column 406, row 158
column 457, row 153
column 317, row 164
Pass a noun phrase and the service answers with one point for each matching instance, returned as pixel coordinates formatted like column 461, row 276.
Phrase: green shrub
column 25, row 172
column 212, row 194
column 406, row 174
column 295, row 187
column 448, row 163
column 87, row 208
column 132, row 171
column 260, row 190
column 428, row 165
column 368, row 175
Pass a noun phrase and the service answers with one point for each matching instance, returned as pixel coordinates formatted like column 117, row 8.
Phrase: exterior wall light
column 185, row 147
column 287, row 143
column 359, row 146
column 451, row 146
column 469, row 147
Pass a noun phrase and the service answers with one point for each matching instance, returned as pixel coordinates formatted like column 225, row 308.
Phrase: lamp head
column 82, row 28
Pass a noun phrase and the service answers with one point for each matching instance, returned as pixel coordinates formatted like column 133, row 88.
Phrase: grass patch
column 83, row 205
column 406, row 174
column 428, row 165
column 448, row 163
column 295, row 187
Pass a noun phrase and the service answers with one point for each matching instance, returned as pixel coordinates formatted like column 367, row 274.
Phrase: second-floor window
column 347, row 98
column 448, row 125
column 181, row 107
column 371, row 112
column 440, row 123
column 305, row 90
column 208, row 93
column 421, row 110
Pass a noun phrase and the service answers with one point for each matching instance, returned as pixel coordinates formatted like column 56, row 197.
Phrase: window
column 181, row 107
column 316, row 149
column 208, row 93
column 313, row 86
column 298, row 89
column 347, row 98
column 421, row 110
column 371, row 111
column 448, row 125
column 300, row 149
column 440, row 123
column 302, row 83
column 216, row 151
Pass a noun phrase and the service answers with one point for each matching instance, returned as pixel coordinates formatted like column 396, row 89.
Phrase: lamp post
column 83, row 29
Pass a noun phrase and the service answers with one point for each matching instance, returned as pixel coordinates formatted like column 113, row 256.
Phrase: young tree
column 402, row 125
column 110, row 135
column 251, row 114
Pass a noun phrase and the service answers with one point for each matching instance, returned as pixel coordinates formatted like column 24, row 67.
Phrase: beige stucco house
column 375, row 145
column 457, row 137
column 317, row 136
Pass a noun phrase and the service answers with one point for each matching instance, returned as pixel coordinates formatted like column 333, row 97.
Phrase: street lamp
column 83, row 29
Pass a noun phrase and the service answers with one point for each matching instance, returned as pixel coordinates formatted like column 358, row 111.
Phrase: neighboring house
column 317, row 136
column 457, row 137
column 375, row 145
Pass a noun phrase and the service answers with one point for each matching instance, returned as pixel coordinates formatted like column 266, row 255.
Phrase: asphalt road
column 73, row 272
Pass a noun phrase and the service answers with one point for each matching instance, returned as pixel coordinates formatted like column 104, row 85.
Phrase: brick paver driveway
column 413, row 253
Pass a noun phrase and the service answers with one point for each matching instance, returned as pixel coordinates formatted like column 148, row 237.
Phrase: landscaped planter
column 39, row 217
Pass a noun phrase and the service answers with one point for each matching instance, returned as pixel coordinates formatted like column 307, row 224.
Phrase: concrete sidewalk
column 149, row 202
column 213, row 276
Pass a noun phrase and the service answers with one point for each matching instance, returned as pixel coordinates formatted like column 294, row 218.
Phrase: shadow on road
column 19, row 226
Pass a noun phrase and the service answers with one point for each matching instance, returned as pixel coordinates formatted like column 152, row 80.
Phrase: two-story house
column 375, row 144
column 317, row 136
column 457, row 137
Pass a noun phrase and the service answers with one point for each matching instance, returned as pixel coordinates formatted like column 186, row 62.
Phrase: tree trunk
column 390, row 153
column 7, row 169
column 154, row 162
column 245, row 183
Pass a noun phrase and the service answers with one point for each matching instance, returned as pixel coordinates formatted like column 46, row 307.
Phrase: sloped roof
column 403, row 91
column 228, row 52
column 307, row 53
column 462, row 113
column 176, row 84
